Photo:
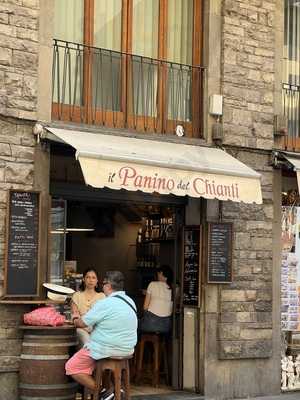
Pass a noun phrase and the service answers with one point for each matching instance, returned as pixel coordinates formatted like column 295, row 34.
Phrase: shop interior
column 133, row 237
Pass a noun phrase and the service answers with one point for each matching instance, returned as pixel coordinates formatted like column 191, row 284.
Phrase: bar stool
column 158, row 342
column 118, row 367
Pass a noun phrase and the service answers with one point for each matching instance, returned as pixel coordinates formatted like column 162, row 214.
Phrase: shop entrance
column 133, row 237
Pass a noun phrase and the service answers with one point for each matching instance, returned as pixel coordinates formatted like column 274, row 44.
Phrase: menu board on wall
column 219, row 252
column 191, row 265
column 22, row 246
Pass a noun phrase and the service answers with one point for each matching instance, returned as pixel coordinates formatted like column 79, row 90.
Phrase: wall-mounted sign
column 22, row 243
column 219, row 252
column 191, row 266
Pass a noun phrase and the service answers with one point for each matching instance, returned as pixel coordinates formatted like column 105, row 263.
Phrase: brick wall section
column 245, row 325
column 18, row 58
column 248, row 51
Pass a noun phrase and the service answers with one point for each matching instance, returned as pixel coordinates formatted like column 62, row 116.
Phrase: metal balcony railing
column 114, row 89
column 291, row 108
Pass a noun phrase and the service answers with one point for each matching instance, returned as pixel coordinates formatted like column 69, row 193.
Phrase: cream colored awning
column 293, row 159
column 120, row 162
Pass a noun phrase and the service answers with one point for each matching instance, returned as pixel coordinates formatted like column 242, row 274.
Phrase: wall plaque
column 22, row 243
column 191, row 266
column 219, row 252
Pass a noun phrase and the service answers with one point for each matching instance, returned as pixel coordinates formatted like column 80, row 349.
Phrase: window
column 134, row 61
column 291, row 69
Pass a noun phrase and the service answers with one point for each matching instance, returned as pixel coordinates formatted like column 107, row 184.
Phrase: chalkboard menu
column 191, row 265
column 22, row 252
column 219, row 252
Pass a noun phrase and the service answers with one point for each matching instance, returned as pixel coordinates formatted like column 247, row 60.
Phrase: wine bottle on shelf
column 139, row 236
column 163, row 229
column 151, row 230
column 147, row 231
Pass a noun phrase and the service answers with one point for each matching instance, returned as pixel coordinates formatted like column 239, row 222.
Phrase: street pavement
column 194, row 396
column 284, row 396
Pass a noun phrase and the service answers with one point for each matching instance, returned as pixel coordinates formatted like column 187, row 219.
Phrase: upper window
column 129, row 63
column 159, row 29
column 291, row 73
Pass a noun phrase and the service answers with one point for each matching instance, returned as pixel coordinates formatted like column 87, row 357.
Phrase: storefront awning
column 294, row 160
column 119, row 162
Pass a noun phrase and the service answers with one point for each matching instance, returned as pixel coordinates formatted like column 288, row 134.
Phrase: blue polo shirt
column 114, row 327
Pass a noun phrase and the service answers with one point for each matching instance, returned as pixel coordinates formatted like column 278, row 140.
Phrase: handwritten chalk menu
column 219, row 252
column 191, row 265
column 22, row 243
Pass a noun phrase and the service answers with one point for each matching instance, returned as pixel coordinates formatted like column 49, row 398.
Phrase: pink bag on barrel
column 44, row 316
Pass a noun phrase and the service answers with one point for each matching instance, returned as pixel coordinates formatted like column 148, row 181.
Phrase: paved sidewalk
column 284, row 396
column 181, row 395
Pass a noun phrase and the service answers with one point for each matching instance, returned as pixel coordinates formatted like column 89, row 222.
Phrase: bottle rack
column 154, row 231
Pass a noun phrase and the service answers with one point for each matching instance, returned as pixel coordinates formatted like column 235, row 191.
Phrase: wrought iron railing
column 105, row 87
column 291, row 108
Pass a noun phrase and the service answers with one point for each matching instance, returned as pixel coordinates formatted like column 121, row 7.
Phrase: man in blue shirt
column 114, row 323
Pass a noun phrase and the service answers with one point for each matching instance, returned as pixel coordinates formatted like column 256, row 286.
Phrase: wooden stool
column 118, row 367
column 159, row 347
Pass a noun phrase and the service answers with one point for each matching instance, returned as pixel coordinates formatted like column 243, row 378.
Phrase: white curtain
column 68, row 20
column 106, row 73
column 68, row 76
column 144, row 43
column 180, row 31
column 180, row 50
column 108, row 24
column 291, row 66
column 292, row 42
column 145, row 28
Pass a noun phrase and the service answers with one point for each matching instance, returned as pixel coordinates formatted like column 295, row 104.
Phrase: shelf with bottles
column 156, row 229
column 147, row 255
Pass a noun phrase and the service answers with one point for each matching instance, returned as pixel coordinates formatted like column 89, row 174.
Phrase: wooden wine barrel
column 45, row 351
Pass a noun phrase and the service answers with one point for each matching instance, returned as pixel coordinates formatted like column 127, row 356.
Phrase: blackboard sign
column 22, row 252
column 219, row 252
column 191, row 265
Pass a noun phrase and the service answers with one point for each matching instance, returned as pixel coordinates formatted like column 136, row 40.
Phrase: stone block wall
column 245, row 319
column 248, row 72
column 18, row 107
column 247, row 80
column 19, row 58
column 242, row 331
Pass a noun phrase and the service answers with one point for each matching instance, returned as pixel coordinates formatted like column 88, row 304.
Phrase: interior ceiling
column 133, row 213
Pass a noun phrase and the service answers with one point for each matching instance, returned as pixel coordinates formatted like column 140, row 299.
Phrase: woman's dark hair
column 167, row 273
column 82, row 285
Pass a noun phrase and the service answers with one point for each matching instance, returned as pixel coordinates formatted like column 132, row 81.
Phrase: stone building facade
column 239, row 323
column 19, row 54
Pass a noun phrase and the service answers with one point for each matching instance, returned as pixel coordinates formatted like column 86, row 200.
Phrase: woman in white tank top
column 158, row 304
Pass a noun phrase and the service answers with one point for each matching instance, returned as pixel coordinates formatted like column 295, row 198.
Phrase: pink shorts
column 80, row 363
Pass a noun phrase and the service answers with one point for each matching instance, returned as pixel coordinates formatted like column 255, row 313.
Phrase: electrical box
column 216, row 104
